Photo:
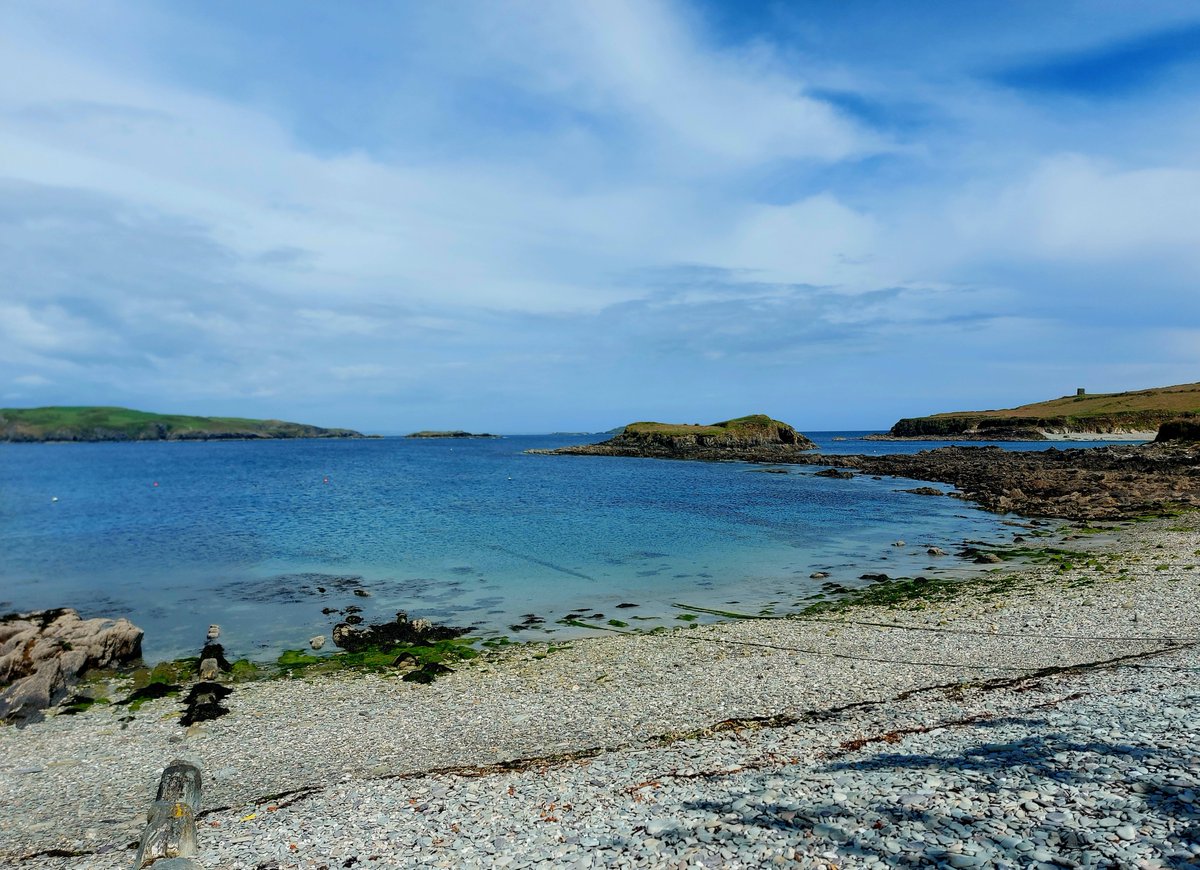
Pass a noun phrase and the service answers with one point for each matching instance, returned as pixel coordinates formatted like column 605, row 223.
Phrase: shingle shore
column 1092, row 768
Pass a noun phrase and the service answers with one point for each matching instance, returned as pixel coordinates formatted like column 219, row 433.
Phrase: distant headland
column 756, row 438
column 456, row 433
column 93, row 423
column 1134, row 414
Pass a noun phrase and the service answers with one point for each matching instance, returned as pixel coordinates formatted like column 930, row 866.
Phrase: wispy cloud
column 547, row 215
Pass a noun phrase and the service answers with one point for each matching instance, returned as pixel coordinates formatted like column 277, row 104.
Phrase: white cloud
column 640, row 59
column 1079, row 208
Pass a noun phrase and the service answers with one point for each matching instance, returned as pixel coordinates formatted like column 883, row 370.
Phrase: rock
column 362, row 593
column 818, row 575
column 835, row 473
column 317, row 642
column 208, row 669
column 899, row 544
column 936, row 551
column 1185, row 428
column 924, row 490
column 214, row 631
column 204, row 702
column 353, row 638
column 988, row 559
column 42, row 654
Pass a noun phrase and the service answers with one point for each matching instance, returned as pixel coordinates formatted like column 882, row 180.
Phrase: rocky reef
column 756, row 438
column 43, row 654
column 1097, row 483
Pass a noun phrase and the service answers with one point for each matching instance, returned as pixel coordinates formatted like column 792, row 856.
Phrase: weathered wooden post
column 169, row 838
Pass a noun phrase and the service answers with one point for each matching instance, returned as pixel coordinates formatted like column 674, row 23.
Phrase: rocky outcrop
column 456, row 433
column 42, row 654
column 1180, row 429
column 756, row 438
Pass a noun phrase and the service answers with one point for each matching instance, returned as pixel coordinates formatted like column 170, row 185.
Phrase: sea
column 274, row 540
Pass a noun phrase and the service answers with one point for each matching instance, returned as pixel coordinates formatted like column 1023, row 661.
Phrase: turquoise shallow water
column 473, row 532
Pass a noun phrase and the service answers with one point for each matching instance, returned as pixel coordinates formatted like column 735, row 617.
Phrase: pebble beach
column 1049, row 721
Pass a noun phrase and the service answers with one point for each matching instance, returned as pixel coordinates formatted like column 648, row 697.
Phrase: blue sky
column 535, row 216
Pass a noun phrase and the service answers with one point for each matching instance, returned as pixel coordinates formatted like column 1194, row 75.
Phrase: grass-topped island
column 755, row 438
column 97, row 423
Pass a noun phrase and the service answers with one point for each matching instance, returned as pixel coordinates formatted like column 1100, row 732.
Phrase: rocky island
column 456, row 433
column 756, row 438
column 1135, row 414
column 91, row 423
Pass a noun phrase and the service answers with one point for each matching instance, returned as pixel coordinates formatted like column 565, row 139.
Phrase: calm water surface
column 473, row 532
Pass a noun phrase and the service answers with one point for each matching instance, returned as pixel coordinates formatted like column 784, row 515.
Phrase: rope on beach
column 985, row 633
column 927, row 664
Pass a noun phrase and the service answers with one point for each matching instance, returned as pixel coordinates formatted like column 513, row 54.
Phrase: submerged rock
column 43, row 654
column 353, row 638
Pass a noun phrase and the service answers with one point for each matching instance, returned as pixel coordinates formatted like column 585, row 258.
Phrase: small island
column 1135, row 415
column 96, row 423
column 756, row 438
column 457, row 433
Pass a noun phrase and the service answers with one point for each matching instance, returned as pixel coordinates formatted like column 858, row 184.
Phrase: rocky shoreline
column 1040, row 717
column 1093, row 483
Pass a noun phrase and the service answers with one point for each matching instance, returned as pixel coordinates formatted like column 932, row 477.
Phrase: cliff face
column 968, row 427
column 756, row 438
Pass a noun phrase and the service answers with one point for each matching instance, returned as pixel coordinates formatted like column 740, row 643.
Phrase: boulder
column 42, row 655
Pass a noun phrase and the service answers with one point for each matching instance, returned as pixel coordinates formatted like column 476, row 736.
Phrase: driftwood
column 169, row 838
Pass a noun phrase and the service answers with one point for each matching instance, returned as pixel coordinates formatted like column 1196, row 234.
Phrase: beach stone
column 317, row 642
column 208, row 669
column 43, row 653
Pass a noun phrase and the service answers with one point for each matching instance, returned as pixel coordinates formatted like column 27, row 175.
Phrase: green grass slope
column 753, row 429
column 1133, row 411
column 92, row 423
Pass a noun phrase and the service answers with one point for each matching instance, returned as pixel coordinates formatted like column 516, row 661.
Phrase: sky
column 567, row 215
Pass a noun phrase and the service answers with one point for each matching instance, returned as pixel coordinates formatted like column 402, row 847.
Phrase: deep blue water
column 178, row 535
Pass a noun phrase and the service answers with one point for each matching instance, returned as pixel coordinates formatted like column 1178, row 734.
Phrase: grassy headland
column 96, row 423
column 1137, row 411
